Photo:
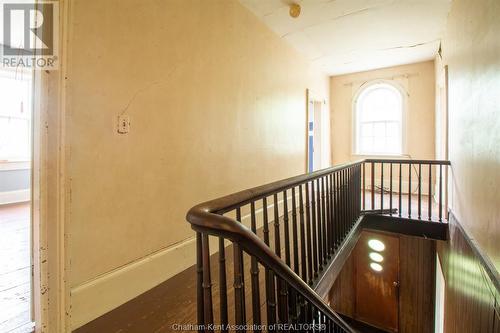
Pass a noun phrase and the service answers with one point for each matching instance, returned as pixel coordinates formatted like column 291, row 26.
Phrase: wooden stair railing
column 412, row 189
column 295, row 237
column 312, row 215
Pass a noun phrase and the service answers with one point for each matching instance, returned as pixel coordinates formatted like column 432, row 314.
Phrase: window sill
column 15, row 165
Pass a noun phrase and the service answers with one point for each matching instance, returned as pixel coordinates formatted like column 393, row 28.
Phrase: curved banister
column 406, row 161
column 231, row 201
column 208, row 219
column 231, row 229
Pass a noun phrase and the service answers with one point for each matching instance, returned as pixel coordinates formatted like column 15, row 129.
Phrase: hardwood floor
column 424, row 205
column 174, row 301
column 14, row 267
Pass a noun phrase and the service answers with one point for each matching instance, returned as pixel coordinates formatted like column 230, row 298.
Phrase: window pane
column 15, row 115
column 366, row 144
column 14, row 139
column 379, row 145
column 379, row 130
column 392, row 145
column 380, row 102
column 367, row 129
column 14, row 97
column 392, row 129
column 379, row 111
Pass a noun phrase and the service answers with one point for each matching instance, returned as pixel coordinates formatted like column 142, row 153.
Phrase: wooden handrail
column 420, row 169
column 340, row 195
column 229, row 202
column 207, row 218
column 406, row 161
column 251, row 243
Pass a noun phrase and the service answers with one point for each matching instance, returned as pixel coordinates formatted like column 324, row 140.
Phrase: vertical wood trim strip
column 254, row 272
column 207, row 284
column 199, row 284
column 222, row 284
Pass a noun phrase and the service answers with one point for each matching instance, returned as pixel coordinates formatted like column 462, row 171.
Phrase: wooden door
column 377, row 280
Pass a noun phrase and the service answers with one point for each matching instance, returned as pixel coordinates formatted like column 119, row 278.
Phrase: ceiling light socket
column 295, row 10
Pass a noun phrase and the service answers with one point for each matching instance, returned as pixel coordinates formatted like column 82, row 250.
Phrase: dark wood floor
column 14, row 267
column 174, row 301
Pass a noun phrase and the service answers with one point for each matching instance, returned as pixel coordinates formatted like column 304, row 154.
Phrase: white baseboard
column 14, row 196
column 94, row 298
column 106, row 292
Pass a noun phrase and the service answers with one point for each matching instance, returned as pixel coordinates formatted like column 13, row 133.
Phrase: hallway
column 191, row 163
column 15, row 268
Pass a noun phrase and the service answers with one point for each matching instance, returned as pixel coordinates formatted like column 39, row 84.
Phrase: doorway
column 318, row 133
column 377, row 280
column 440, row 298
column 314, row 137
column 442, row 131
column 15, row 200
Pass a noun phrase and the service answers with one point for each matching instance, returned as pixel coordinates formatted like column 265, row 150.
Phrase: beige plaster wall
column 416, row 79
column 216, row 104
column 471, row 50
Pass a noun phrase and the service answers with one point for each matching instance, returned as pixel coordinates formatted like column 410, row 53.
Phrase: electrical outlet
column 123, row 124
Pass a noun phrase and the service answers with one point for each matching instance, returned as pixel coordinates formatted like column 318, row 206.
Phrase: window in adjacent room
column 16, row 233
column 15, row 116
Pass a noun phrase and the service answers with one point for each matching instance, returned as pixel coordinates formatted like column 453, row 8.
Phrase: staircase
column 298, row 232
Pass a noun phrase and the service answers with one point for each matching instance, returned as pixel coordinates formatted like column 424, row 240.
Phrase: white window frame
column 355, row 125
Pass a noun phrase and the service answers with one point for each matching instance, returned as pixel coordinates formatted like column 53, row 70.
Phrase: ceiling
column 346, row 36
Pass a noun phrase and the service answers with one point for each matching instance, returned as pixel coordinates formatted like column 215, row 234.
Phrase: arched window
column 378, row 114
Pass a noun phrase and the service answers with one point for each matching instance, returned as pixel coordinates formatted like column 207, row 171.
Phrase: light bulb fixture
column 295, row 10
column 376, row 267
column 377, row 257
column 376, row 245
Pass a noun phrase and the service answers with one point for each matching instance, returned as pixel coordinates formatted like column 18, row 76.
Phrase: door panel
column 377, row 291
